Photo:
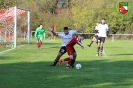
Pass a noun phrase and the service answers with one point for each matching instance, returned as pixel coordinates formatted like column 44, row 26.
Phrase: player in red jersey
column 70, row 49
column 66, row 36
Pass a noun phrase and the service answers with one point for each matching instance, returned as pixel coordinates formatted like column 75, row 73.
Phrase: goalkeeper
column 40, row 31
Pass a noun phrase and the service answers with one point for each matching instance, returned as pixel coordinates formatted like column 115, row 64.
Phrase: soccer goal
column 14, row 26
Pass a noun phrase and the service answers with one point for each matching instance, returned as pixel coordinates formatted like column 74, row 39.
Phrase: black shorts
column 63, row 50
column 101, row 39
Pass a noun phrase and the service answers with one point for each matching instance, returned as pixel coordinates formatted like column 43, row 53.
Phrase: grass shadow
column 94, row 74
column 4, row 57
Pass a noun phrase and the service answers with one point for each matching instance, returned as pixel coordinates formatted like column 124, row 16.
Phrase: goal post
column 14, row 26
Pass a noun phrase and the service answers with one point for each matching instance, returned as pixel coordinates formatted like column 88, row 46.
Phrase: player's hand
column 50, row 29
column 82, row 47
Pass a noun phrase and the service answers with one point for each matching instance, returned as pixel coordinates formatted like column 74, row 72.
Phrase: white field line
column 104, row 53
column 5, row 51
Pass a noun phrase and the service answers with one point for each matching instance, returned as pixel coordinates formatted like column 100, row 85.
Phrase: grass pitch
column 26, row 66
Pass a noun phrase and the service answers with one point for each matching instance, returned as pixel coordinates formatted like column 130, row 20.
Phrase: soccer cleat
column 89, row 45
column 97, row 54
column 59, row 62
column 67, row 67
column 100, row 54
column 72, row 66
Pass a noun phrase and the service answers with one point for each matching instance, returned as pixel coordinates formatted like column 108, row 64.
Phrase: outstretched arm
column 80, row 29
column 51, row 29
column 79, row 43
column 107, row 31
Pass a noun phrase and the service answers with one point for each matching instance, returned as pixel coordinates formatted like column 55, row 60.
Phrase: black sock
column 101, row 49
column 91, row 43
column 98, row 49
column 56, row 61
column 72, row 62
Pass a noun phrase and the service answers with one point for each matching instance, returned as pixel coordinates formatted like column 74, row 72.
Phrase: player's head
column 82, row 36
column 97, row 23
column 103, row 20
column 41, row 26
column 66, row 30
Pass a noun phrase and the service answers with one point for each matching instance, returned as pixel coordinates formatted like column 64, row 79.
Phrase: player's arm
column 79, row 43
column 51, row 29
column 96, row 30
column 44, row 30
column 80, row 29
column 107, row 31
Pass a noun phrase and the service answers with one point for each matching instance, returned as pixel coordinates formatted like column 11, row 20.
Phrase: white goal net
column 14, row 26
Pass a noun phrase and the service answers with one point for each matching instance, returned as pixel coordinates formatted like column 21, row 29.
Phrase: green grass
column 26, row 67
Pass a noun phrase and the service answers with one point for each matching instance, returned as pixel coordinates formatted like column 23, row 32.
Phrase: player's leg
column 66, row 59
column 60, row 61
column 61, row 52
column 70, row 51
column 91, row 41
column 40, row 42
column 101, row 49
column 96, row 37
column 69, row 61
column 101, row 46
column 57, row 59
column 74, row 58
column 37, row 43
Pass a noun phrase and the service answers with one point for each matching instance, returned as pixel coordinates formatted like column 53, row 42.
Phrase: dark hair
column 39, row 25
column 83, row 35
column 65, row 28
column 103, row 19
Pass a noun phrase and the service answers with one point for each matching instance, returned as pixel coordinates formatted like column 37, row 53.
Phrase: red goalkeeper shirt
column 69, row 46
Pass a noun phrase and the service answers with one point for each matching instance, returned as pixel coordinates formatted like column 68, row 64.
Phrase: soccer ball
column 78, row 66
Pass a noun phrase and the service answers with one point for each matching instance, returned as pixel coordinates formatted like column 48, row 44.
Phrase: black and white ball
column 78, row 66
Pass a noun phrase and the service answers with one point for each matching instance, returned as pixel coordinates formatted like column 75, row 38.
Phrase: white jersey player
column 103, row 32
column 66, row 36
